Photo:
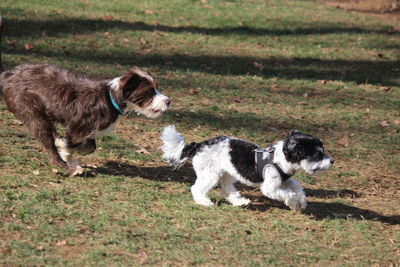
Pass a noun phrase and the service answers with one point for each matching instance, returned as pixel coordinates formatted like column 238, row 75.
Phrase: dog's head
column 137, row 91
column 307, row 152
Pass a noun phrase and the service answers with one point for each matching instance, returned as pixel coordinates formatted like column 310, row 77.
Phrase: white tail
column 174, row 143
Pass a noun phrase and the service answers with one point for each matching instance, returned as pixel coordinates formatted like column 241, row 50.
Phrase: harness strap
column 265, row 158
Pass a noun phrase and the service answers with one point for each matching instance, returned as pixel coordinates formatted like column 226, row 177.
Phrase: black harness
column 265, row 158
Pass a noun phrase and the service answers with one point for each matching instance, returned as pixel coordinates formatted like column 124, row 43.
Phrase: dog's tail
column 175, row 152
column 1, row 35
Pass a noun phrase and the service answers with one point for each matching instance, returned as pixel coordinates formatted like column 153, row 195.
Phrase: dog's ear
column 133, row 79
column 291, row 143
column 293, row 149
column 294, row 132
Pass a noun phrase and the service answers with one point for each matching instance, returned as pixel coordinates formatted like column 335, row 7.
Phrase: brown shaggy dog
column 42, row 95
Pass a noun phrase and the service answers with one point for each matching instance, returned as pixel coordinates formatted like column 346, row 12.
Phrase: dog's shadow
column 159, row 173
column 326, row 210
column 317, row 210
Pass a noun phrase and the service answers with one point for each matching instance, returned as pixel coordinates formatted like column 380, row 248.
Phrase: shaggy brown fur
column 41, row 95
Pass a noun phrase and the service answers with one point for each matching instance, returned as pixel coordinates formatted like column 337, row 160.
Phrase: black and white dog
column 225, row 160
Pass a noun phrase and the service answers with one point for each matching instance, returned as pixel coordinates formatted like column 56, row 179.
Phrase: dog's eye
column 317, row 155
column 143, row 97
column 149, row 92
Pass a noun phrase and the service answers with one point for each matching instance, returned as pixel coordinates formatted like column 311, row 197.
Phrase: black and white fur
column 225, row 160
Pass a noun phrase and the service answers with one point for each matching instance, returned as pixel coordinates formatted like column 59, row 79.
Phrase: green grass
column 325, row 71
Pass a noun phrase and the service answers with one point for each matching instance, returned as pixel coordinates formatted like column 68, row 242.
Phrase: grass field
column 252, row 69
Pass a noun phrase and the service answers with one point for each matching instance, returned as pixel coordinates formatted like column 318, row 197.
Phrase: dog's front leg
column 273, row 187
column 295, row 186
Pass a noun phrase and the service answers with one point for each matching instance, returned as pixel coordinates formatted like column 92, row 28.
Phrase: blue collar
column 115, row 104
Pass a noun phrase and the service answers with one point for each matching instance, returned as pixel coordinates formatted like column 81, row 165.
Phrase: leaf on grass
column 108, row 18
column 36, row 172
column 16, row 122
column 142, row 40
column 385, row 89
column 54, row 184
column 384, row 123
column 344, row 141
column 61, row 243
column 145, row 51
column 258, row 65
column 142, row 257
column 12, row 43
column 194, row 91
column 28, row 46
column 149, row 11
column 143, row 151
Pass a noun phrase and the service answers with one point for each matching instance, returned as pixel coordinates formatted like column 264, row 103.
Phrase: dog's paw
column 74, row 168
column 204, row 202
column 296, row 203
column 303, row 202
column 239, row 201
column 77, row 170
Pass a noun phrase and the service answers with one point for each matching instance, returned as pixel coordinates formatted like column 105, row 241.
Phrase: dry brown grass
column 366, row 5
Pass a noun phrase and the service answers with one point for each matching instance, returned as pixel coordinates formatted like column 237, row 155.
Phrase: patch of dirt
column 379, row 6
column 385, row 9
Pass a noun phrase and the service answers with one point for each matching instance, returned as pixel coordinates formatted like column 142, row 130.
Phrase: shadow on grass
column 358, row 71
column 162, row 174
column 55, row 27
column 234, row 122
column 326, row 194
column 323, row 210
column 317, row 210
column 253, row 123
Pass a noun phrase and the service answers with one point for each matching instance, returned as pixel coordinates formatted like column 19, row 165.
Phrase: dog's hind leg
column 206, row 180
column 66, row 152
column 45, row 132
column 87, row 147
column 72, row 143
column 230, row 193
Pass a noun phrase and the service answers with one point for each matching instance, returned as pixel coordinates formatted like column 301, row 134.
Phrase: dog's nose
column 168, row 102
column 332, row 161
